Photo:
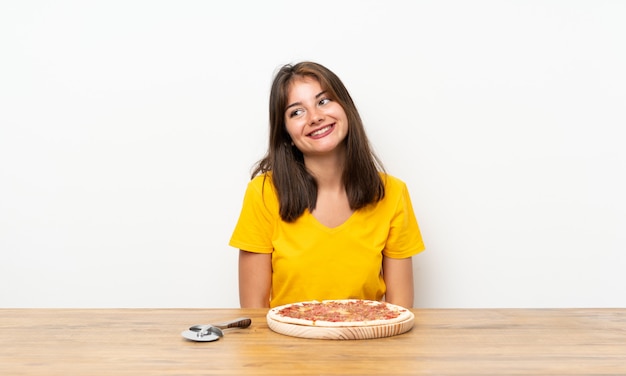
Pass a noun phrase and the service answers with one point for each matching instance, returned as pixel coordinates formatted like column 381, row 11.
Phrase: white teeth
column 320, row 131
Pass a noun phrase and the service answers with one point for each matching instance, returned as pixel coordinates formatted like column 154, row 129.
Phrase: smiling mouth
column 321, row 131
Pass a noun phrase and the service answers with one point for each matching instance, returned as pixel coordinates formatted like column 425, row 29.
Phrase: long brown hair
column 295, row 186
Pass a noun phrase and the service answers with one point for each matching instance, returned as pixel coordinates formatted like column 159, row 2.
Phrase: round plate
column 347, row 332
column 193, row 336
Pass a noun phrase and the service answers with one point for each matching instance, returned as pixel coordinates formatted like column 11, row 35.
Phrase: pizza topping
column 340, row 311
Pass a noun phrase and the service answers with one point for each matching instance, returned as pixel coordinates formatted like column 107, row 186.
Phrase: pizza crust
column 403, row 314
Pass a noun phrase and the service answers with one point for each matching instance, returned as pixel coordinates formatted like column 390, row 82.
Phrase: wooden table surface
column 442, row 342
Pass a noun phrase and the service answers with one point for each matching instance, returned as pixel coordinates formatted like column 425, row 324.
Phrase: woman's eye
column 295, row 113
column 324, row 101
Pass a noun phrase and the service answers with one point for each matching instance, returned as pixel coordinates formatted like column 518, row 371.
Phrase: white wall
column 128, row 130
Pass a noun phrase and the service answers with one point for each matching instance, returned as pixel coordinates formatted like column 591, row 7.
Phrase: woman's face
column 316, row 123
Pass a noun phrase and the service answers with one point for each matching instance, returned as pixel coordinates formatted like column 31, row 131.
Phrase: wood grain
column 442, row 342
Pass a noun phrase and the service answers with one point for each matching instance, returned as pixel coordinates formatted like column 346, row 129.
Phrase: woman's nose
column 316, row 116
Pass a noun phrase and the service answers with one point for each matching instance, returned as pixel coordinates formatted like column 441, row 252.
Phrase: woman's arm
column 255, row 279
column 398, row 275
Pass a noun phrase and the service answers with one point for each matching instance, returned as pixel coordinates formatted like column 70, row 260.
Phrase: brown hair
column 295, row 186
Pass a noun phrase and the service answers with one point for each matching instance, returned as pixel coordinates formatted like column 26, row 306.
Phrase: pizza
column 340, row 313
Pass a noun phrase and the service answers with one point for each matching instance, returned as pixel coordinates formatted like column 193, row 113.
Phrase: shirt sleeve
column 255, row 226
column 405, row 239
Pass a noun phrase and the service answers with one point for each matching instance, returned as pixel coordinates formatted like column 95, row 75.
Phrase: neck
column 327, row 170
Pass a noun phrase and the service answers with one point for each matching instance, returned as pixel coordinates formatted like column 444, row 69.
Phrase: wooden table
column 443, row 342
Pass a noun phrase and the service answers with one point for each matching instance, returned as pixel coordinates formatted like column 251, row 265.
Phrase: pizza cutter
column 212, row 332
column 201, row 336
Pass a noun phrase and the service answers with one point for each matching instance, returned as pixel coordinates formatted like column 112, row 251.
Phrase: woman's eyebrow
column 293, row 105
column 299, row 103
column 320, row 94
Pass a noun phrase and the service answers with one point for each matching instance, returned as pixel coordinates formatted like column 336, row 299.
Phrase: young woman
column 320, row 218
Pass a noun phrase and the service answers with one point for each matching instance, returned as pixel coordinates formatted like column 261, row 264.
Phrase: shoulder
column 261, row 182
column 393, row 185
column 262, row 187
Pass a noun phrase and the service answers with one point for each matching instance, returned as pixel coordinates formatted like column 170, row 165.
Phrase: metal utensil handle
column 242, row 322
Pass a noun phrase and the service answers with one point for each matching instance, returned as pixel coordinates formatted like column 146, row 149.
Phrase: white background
column 128, row 130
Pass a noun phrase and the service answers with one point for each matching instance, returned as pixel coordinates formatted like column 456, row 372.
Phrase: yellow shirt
column 313, row 262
